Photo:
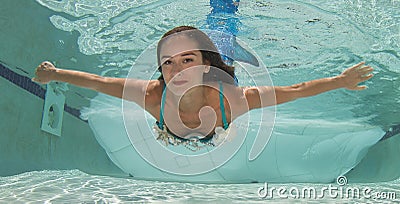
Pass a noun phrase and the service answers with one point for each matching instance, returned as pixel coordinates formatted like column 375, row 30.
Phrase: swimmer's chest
column 184, row 123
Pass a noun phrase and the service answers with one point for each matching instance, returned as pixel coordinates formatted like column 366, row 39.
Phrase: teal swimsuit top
column 160, row 124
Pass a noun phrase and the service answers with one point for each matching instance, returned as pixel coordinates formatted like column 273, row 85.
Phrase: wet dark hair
column 208, row 51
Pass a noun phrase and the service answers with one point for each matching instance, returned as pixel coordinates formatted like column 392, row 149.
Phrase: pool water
column 74, row 186
column 297, row 41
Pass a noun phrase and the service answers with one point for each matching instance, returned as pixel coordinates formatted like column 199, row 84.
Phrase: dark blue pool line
column 34, row 88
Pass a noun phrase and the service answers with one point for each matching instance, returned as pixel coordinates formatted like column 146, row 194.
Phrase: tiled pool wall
column 25, row 147
column 26, row 83
column 27, row 38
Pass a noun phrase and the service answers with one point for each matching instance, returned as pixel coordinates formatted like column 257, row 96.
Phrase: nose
column 177, row 68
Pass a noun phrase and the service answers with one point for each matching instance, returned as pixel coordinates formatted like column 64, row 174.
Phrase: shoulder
column 153, row 92
column 155, row 86
column 253, row 95
column 233, row 94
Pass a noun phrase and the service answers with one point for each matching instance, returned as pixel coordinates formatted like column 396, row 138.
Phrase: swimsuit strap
column 225, row 123
column 222, row 106
column 160, row 124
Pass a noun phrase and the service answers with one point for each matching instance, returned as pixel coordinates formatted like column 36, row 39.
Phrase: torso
column 192, row 123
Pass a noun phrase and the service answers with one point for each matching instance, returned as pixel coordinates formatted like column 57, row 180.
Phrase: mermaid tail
column 223, row 24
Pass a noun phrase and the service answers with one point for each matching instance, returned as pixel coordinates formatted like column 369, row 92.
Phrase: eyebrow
column 184, row 54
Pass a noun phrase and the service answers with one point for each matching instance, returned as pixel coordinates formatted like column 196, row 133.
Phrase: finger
column 365, row 78
column 366, row 70
column 358, row 65
column 40, row 67
column 365, row 67
column 358, row 88
column 362, row 68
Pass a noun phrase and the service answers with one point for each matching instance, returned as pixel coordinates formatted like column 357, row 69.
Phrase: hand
column 44, row 73
column 356, row 74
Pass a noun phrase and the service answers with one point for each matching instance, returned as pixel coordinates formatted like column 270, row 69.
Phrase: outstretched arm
column 47, row 72
column 261, row 96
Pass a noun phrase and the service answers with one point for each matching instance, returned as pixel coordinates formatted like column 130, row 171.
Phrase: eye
column 167, row 62
column 187, row 60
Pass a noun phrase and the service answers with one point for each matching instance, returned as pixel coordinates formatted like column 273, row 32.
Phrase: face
column 182, row 64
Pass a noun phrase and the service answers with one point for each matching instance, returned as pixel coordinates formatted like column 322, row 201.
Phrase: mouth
column 179, row 83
